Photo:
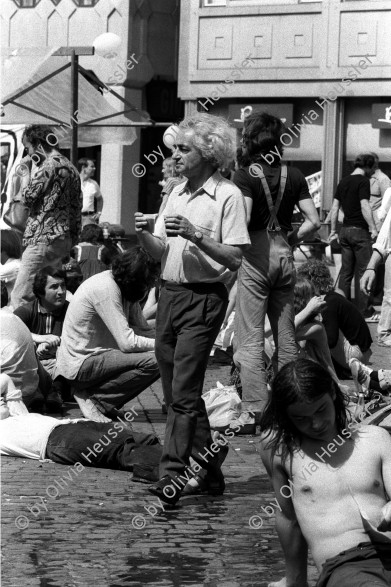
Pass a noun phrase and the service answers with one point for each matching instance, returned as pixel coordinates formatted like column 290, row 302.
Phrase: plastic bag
column 222, row 405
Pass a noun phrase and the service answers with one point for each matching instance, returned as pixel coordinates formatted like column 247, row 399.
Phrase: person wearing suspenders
column 266, row 277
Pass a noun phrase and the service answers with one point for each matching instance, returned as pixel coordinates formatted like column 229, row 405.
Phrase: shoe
column 386, row 342
column 361, row 375
column 88, row 408
column 211, row 483
column 245, row 424
column 166, row 490
column 53, row 403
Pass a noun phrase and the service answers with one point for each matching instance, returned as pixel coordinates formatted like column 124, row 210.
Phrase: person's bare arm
column 385, row 444
column 51, row 339
column 368, row 216
column 150, row 243
column 314, row 306
column 334, row 219
column 249, row 208
column 228, row 255
column 291, row 538
column 368, row 278
column 310, row 225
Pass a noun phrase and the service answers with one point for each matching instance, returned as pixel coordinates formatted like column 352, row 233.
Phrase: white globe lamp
column 107, row 45
column 169, row 137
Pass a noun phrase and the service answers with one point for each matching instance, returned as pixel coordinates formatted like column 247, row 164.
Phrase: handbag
column 18, row 212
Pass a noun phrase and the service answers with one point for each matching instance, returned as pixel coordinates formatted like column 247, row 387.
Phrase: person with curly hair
column 53, row 195
column 106, row 350
column 199, row 238
column 348, row 335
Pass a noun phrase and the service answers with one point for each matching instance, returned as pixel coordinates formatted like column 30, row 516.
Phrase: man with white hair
column 199, row 241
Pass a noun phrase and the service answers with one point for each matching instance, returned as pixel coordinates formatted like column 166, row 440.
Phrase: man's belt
column 87, row 213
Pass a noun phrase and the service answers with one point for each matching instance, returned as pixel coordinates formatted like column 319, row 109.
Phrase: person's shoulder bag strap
column 273, row 224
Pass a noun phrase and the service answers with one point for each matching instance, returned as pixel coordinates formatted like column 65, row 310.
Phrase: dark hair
column 4, row 294
column 318, row 274
column 41, row 278
column 365, row 161
column 38, row 134
column 134, row 272
column 298, row 381
column 10, row 244
column 262, row 133
column 91, row 233
column 302, row 293
column 242, row 158
column 83, row 162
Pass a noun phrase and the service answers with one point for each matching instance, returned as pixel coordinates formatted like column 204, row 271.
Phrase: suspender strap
column 273, row 223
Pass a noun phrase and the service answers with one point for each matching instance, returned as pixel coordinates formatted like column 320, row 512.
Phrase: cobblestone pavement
column 93, row 527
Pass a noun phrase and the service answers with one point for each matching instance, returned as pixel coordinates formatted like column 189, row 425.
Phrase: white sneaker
column 88, row 408
column 246, row 423
column 361, row 375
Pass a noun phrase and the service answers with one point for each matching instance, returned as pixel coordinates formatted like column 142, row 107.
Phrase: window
column 26, row 3
column 85, row 3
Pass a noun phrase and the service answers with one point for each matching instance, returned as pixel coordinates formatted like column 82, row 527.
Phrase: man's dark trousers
column 189, row 317
column 356, row 248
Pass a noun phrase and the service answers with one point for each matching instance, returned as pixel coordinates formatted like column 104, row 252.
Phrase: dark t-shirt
column 350, row 191
column 36, row 322
column 341, row 315
column 296, row 189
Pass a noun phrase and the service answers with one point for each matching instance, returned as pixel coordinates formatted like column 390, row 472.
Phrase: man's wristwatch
column 198, row 236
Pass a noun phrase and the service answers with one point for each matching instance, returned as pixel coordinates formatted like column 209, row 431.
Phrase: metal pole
column 74, row 104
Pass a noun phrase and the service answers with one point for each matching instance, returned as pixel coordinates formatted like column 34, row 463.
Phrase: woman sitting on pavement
column 347, row 333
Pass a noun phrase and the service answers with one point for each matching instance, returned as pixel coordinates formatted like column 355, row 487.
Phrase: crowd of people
column 84, row 323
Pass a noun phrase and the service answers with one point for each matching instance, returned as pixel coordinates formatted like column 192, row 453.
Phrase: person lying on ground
column 112, row 445
column 348, row 335
column 331, row 479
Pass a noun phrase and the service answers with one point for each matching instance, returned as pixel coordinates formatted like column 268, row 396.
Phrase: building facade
column 324, row 67
column 149, row 30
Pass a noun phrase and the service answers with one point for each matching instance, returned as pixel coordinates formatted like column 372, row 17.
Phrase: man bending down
column 106, row 348
column 332, row 481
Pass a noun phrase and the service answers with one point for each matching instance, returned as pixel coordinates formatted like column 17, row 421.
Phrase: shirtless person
column 328, row 475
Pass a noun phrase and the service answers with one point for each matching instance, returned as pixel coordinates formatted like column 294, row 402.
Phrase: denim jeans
column 68, row 443
column 187, row 323
column 356, row 248
column 266, row 282
column 384, row 326
column 116, row 377
column 36, row 257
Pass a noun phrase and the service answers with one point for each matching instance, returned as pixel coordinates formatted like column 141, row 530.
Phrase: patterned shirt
column 54, row 198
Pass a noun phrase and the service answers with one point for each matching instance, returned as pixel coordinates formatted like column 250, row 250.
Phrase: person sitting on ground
column 11, row 252
column 106, row 351
column 348, row 335
column 74, row 442
column 367, row 379
column 44, row 317
column 91, row 254
column 19, row 361
column 331, row 500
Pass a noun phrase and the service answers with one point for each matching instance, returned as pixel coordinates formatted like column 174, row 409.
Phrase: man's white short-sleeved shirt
column 218, row 210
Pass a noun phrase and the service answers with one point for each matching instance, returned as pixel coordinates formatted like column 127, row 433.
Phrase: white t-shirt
column 91, row 190
column 27, row 435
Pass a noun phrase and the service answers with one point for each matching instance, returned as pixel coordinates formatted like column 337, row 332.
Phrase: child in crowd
column 91, row 254
column 331, row 478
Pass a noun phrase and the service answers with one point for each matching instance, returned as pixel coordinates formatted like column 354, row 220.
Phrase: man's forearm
column 368, row 216
column 152, row 244
column 374, row 261
column 334, row 219
column 299, row 234
column 227, row 255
